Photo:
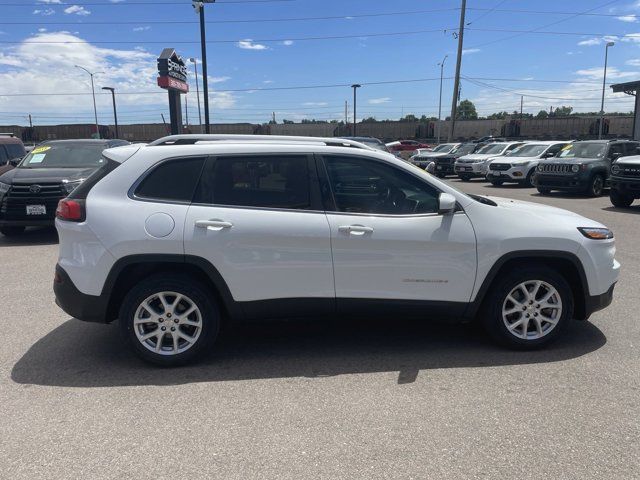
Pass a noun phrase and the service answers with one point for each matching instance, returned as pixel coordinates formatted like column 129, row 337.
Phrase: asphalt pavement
column 326, row 400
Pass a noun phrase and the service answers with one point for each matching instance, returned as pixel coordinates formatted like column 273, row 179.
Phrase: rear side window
column 268, row 181
column 174, row 180
column 15, row 150
column 3, row 155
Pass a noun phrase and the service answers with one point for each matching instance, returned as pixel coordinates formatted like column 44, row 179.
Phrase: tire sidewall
column 185, row 286
column 592, row 185
column 492, row 317
column 619, row 200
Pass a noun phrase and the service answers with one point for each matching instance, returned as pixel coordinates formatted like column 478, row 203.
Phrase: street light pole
column 199, row 6
column 440, row 101
column 355, row 87
column 195, row 66
column 93, row 92
column 115, row 113
column 604, row 83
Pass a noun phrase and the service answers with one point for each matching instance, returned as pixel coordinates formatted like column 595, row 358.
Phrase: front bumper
column 598, row 302
column 514, row 174
column 571, row 183
column 89, row 308
column 627, row 186
column 471, row 169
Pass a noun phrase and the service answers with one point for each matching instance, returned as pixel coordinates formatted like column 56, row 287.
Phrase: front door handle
column 355, row 229
column 215, row 225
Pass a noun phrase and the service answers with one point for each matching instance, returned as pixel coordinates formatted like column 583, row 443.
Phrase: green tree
column 467, row 110
column 542, row 114
column 287, row 122
column 409, row 118
column 562, row 111
column 369, row 120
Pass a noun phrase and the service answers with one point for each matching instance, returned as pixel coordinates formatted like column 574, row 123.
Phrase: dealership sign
column 172, row 71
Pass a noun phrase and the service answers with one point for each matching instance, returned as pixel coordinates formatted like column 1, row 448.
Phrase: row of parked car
column 586, row 167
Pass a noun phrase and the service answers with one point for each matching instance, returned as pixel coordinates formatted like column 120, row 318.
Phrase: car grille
column 554, row 168
column 14, row 204
column 444, row 161
column 499, row 166
column 629, row 172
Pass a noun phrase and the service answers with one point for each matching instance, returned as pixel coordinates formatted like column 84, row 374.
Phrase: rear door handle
column 215, row 225
column 355, row 229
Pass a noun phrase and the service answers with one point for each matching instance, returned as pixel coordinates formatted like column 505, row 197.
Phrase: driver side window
column 360, row 185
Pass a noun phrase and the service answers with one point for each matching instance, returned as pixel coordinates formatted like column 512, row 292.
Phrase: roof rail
column 192, row 139
column 7, row 134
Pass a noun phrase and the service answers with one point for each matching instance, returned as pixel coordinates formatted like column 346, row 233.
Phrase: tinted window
column 15, row 150
column 85, row 187
column 616, row 148
column 365, row 186
column 3, row 155
column 267, row 181
column 631, row 148
column 174, row 180
column 556, row 148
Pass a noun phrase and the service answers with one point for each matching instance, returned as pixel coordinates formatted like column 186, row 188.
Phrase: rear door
column 389, row 241
column 258, row 220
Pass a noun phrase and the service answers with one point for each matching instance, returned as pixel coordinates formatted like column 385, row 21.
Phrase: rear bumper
column 89, row 308
column 598, row 302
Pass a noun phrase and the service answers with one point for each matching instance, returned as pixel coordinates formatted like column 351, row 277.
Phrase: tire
column 440, row 175
column 496, row 183
column 543, row 190
column 147, row 300
column 620, row 200
column 464, row 178
column 528, row 182
column 595, row 186
column 11, row 231
column 504, row 296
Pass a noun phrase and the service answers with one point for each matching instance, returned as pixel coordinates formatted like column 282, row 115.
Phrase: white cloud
column 141, row 29
column 634, row 62
column 596, row 73
column 590, row 42
column 218, row 79
column 42, row 30
column 57, row 2
column 77, row 10
column 267, row 82
column 249, row 45
column 378, row 101
column 469, row 51
column 46, row 12
column 288, row 43
column 628, row 18
column 315, row 104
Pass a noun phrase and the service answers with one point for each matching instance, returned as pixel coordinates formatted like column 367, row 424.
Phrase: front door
column 388, row 240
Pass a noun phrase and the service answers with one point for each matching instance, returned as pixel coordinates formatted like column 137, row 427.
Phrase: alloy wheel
column 532, row 309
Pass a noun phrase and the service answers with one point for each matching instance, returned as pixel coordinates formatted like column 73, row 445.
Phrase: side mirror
column 446, row 203
column 14, row 161
column 549, row 155
column 615, row 156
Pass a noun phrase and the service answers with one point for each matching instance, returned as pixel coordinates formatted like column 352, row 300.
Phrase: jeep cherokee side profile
column 173, row 237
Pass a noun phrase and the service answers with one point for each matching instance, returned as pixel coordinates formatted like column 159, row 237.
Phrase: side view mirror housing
column 549, row 155
column 446, row 204
column 14, row 161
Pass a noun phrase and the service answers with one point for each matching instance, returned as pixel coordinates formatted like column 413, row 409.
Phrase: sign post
column 172, row 76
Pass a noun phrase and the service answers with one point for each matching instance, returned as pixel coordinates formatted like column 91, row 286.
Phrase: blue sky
column 249, row 54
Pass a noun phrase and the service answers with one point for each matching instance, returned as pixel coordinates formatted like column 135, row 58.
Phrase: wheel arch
column 567, row 264
column 129, row 270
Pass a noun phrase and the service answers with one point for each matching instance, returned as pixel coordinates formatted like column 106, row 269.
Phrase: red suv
column 406, row 146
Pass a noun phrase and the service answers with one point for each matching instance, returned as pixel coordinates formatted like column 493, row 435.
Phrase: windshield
column 375, row 144
column 465, row 149
column 584, row 150
column 528, row 151
column 444, row 148
column 64, row 156
column 492, row 149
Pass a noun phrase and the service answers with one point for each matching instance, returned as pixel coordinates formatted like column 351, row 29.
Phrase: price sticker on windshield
column 40, row 149
column 37, row 158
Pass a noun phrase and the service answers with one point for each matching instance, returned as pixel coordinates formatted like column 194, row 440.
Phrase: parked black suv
column 582, row 166
column 444, row 164
column 29, row 193
column 625, row 181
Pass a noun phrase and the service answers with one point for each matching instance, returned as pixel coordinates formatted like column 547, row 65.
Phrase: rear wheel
column 543, row 190
column 11, row 231
column 528, row 307
column 465, row 178
column 620, row 200
column 595, row 186
column 169, row 320
column 496, row 183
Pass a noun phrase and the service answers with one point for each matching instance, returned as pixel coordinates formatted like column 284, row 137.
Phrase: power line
column 186, row 22
column 153, row 4
column 550, row 12
column 487, row 11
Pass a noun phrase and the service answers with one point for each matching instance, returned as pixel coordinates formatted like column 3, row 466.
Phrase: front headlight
column 575, row 168
column 615, row 169
column 596, row 233
column 70, row 186
column 4, row 188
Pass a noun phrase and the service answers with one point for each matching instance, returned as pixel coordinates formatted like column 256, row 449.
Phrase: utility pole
column 355, row 87
column 93, row 92
column 604, row 83
column 115, row 114
column 440, row 101
column 186, row 110
column 346, row 113
column 199, row 6
column 273, row 117
column 195, row 66
column 521, row 104
column 30, row 122
column 456, row 81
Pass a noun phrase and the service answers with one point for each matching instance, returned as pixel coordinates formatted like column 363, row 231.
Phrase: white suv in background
column 475, row 164
column 174, row 237
column 519, row 165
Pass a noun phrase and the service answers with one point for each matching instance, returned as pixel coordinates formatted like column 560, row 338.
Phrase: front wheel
column 543, row 190
column 169, row 320
column 11, row 231
column 595, row 186
column 496, row 183
column 465, row 178
column 620, row 200
column 528, row 182
column 528, row 308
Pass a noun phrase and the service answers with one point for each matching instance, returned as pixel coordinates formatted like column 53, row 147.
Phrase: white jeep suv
column 174, row 237
column 475, row 164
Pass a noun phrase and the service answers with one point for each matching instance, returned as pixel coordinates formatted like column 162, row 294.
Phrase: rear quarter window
column 173, row 180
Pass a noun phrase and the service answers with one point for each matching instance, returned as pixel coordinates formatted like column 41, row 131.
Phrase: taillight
column 70, row 210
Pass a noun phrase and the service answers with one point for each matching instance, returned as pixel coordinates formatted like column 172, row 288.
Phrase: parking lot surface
column 360, row 399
